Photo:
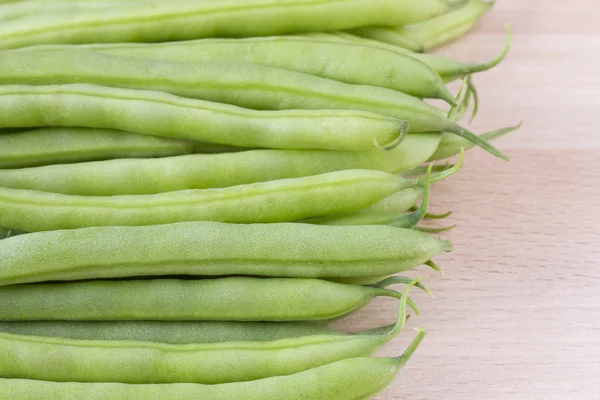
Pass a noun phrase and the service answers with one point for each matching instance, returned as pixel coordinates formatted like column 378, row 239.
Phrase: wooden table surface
column 517, row 314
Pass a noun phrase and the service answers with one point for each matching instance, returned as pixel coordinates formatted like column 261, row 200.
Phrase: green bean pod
column 201, row 171
column 450, row 70
column 222, row 299
column 427, row 35
column 245, row 85
column 354, row 378
column 215, row 249
column 162, row 114
column 20, row 9
column 181, row 20
column 45, row 146
column 342, row 61
column 169, row 332
column 211, row 363
column 282, row 200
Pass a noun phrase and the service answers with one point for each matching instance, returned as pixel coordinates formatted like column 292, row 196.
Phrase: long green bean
column 200, row 171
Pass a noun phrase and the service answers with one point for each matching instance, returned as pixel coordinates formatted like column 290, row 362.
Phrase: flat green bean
column 342, row 61
column 162, row 114
column 170, row 332
column 212, row 248
column 221, row 299
column 427, row 35
column 212, row 363
column 282, row 200
column 354, row 378
column 180, row 20
column 245, row 85
column 201, row 171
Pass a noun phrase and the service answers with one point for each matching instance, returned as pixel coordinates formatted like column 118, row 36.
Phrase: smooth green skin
column 343, row 61
column 354, row 378
column 282, row 200
column 162, row 114
column 212, row 248
column 201, row 171
column 222, row 299
column 388, row 35
column 170, row 332
column 212, row 363
column 181, row 20
column 450, row 70
column 244, row 85
column 451, row 145
column 21, row 9
column 63, row 145
column 444, row 28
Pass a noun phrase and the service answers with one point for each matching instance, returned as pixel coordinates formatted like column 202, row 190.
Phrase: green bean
column 201, row 171
column 427, row 35
column 180, row 20
column 342, row 61
column 409, row 220
column 162, row 114
column 212, row 363
column 354, row 378
column 450, row 144
column 210, row 248
column 282, row 200
column 222, row 299
column 450, row 70
column 170, row 332
column 245, row 85
column 62, row 145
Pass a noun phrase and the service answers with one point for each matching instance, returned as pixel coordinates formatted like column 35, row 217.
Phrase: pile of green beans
column 193, row 193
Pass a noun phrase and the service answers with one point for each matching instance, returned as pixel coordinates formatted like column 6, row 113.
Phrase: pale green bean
column 210, row 248
column 159, row 21
column 200, row 171
column 162, row 114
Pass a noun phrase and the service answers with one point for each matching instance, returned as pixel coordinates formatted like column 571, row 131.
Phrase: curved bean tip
column 435, row 267
column 410, row 350
column 402, row 133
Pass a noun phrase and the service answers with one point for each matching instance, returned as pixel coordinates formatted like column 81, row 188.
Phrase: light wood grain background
column 517, row 315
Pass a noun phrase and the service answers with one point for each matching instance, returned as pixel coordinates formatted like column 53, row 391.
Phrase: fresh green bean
column 211, row 248
column 162, row 114
column 201, row 171
column 170, row 332
column 450, row 70
column 427, row 35
column 222, row 299
column 181, row 20
column 451, row 145
column 62, row 145
column 354, row 378
column 342, row 61
column 244, row 85
column 212, row 363
column 282, row 200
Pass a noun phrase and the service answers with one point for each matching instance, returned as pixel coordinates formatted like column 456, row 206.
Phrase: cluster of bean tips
column 191, row 190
